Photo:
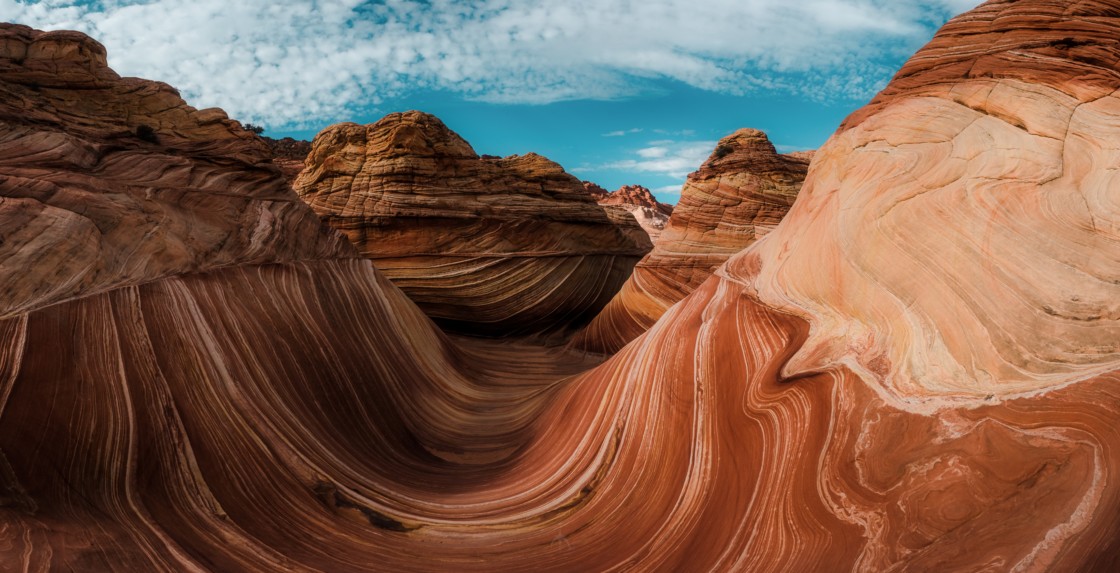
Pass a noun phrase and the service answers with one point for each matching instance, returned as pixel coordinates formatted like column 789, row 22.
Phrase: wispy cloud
column 623, row 132
column 668, row 193
column 674, row 159
column 288, row 63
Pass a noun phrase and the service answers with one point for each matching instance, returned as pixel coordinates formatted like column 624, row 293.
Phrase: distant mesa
column 651, row 214
column 737, row 196
column 486, row 246
column 289, row 155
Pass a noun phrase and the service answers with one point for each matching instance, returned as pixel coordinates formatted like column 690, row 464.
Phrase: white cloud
column 622, row 132
column 653, row 152
column 668, row 193
column 287, row 63
column 673, row 159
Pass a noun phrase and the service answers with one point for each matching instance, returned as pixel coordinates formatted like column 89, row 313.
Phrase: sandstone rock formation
column 492, row 247
column 651, row 214
column 738, row 195
column 108, row 181
column 958, row 243
column 811, row 406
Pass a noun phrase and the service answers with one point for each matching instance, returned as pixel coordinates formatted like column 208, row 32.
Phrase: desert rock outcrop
column 650, row 213
column 108, row 181
column 738, row 195
column 487, row 246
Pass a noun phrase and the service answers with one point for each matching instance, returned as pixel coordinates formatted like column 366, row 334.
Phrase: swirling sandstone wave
column 488, row 246
column 738, row 195
column 306, row 416
column 957, row 240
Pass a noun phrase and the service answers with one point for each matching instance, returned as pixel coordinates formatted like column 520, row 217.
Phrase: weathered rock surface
column 107, row 181
column 650, row 213
column 484, row 246
column 738, row 195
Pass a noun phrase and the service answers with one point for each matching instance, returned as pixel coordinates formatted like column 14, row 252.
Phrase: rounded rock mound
column 485, row 246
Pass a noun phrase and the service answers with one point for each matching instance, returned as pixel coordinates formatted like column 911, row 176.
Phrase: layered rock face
column 108, row 181
column 485, row 246
column 738, row 195
column 650, row 213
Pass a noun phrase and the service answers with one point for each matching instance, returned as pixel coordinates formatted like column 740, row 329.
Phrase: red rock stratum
column 916, row 370
column 490, row 246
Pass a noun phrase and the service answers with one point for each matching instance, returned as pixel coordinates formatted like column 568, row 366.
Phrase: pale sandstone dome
column 107, row 181
column 958, row 240
column 489, row 246
column 738, row 195
column 650, row 213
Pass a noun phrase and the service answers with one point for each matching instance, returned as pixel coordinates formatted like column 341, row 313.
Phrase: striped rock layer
column 738, row 195
column 485, row 246
column 306, row 416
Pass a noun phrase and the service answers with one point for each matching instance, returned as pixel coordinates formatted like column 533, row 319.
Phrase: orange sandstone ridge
column 651, row 214
column 738, row 195
column 914, row 371
column 485, row 246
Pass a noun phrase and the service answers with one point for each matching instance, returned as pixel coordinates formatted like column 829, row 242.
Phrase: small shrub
column 146, row 133
column 253, row 128
column 722, row 151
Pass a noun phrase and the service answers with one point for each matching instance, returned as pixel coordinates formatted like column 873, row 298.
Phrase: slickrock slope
column 738, row 195
column 960, row 240
column 107, row 181
column 650, row 213
column 485, row 246
column 917, row 370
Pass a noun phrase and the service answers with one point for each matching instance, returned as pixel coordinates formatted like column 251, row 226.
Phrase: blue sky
column 617, row 91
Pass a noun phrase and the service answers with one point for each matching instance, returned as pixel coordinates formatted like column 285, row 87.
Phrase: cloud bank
column 295, row 62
